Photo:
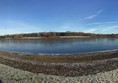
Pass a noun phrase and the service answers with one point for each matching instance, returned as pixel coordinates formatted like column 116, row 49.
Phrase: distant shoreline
column 56, row 35
column 60, row 37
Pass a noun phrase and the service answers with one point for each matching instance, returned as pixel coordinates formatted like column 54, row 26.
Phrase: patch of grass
column 74, row 36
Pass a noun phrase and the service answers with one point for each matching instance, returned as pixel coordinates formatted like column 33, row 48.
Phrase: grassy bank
column 51, row 37
column 74, row 37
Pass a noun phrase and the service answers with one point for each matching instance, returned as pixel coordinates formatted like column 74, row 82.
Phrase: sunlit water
column 59, row 46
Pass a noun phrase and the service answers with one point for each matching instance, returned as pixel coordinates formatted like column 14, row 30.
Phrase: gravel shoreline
column 14, row 75
column 63, row 69
column 94, row 68
column 92, row 63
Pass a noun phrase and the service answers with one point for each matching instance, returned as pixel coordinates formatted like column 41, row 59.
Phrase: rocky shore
column 14, row 75
column 95, row 67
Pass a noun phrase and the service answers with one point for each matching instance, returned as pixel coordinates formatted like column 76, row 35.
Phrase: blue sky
column 25, row 16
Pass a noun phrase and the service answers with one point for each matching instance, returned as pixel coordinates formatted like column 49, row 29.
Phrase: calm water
column 59, row 46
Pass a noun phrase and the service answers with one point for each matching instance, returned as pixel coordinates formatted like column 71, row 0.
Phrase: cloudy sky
column 25, row 16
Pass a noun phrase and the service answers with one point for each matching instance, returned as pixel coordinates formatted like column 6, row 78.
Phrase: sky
column 27, row 16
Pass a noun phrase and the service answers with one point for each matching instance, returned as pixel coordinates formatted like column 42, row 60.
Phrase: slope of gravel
column 13, row 75
column 62, row 69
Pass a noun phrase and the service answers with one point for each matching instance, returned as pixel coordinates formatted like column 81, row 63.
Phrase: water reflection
column 55, row 46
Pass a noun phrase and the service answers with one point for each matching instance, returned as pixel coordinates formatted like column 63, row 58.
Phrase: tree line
column 56, row 35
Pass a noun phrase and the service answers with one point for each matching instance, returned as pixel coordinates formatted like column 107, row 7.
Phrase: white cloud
column 12, row 27
column 102, row 29
column 110, row 29
column 98, row 23
column 93, row 15
column 91, row 30
column 100, row 11
column 90, row 17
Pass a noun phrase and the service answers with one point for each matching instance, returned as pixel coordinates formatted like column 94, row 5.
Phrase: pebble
column 13, row 75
